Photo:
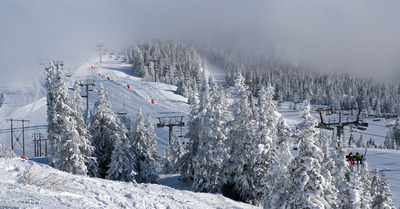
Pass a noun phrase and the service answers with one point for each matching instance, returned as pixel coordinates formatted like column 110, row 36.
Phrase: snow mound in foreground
column 26, row 184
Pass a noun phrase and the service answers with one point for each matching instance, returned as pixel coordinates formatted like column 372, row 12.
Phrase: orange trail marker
column 91, row 67
column 128, row 86
column 152, row 101
column 99, row 74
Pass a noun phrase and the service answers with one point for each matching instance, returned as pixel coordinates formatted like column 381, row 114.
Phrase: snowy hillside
column 23, row 180
column 30, row 185
column 30, row 103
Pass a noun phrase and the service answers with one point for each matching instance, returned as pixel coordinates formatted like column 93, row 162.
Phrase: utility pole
column 37, row 140
column 87, row 83
column 17, row 138
column 99, row 45
column 170, row 121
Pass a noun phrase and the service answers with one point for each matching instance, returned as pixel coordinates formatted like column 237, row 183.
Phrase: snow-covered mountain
column 23, row 181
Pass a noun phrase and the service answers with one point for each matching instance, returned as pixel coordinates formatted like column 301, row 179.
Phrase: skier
column 358, row 158
column 351, row 158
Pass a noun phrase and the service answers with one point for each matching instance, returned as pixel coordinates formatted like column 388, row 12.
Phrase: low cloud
column 361, row 37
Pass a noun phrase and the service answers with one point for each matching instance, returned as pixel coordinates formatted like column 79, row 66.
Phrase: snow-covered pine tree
column 123, row 159
column 341, row 172
column 396, row 131
column 390, row 142
column 383, row 197
column 365, row 182
column 211, row 152
column 152, row 143
column 141, row 142
column 186, row 164
column 86, row 148
column 238, row 166
column 51, row 85
column 105, row 130
column 327, row 166
column 276, row 177
column 307, row 187
column 360, row 142
column 64, row 138
column 172, row 156
column 267, row 110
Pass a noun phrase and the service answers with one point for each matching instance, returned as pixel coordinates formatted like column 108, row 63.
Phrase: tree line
column 167, row 62
column 294, row 82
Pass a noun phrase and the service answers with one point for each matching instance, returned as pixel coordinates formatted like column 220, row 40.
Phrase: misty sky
column 360, row 36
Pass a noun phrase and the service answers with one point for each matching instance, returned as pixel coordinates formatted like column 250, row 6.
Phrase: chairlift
column 68, row 74
column 361, row 128
column 122, row 111
column 198, row 80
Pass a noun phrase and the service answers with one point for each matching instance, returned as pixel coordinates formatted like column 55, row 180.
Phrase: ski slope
column 28, row 101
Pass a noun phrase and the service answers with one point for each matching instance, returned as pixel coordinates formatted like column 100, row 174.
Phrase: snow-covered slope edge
column 26, row 184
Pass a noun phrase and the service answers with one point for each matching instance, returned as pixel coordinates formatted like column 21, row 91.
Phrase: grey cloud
column 360, row 36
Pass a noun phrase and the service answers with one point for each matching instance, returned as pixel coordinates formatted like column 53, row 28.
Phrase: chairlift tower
column 99, row 45
column 170, row 121
column 89, row 87
column 58, row 63
column 340, row 124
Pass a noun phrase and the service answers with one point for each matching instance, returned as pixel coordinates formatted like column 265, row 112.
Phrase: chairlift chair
column 122, row 111
column 68, row 74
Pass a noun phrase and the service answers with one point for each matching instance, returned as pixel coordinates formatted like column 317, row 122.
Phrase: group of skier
column 355, row 158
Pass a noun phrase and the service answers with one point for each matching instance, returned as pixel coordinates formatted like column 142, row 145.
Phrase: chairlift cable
column 369, row 134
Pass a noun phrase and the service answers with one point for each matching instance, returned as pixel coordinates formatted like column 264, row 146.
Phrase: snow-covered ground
column 25, row 184
column 22, row 181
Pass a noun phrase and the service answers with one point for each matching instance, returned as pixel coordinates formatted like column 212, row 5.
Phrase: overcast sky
column 361, row 36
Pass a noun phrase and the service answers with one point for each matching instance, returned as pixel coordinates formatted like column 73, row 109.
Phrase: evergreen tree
column 186, row 163
column 341, row 173
column 54, row 81
column 307, row 187
column 365, row 180
column 211, row 152
column 396, row 131
column 123, row 159
column 238, row 167
column 267, row 110
column 105, row 129
column 173, row 156
column 383, row 197
column 152, row 143
column 276, row 177
column 142, row 143
column 86, row 148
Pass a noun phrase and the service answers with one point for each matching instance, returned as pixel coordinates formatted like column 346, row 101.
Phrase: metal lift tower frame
column 340, row 124
column 170, row 121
